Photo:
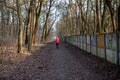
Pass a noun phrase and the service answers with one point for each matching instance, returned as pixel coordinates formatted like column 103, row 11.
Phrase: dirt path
column 65, row 63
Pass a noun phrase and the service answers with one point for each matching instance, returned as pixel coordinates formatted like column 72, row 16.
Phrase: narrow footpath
column 66, row 63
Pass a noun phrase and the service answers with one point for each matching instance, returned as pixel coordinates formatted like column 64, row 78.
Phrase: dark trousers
column 57, row 45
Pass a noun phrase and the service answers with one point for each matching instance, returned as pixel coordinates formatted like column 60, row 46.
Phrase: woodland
column 25, row 22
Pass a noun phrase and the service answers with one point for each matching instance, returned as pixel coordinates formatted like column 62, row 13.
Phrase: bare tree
column 20, row 27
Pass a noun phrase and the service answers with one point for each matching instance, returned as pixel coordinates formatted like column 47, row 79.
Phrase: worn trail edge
column 65, row 63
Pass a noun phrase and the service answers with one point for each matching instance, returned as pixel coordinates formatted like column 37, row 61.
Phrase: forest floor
column 46, row 62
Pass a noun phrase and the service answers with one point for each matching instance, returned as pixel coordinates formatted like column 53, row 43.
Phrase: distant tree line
column 87, row 17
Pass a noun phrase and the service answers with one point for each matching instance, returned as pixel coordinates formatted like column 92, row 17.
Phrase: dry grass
column 9, row 58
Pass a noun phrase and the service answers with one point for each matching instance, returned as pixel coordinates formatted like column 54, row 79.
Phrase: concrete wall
column 104, row 45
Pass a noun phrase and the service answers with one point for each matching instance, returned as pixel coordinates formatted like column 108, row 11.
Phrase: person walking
column 57, row 42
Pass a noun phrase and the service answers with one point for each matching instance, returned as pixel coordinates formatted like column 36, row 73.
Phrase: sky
column 58, row 13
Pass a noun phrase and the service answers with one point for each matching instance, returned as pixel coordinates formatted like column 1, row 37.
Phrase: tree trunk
column 103, row 18
column 111, row 9
column 3, row 22
column 98, row 16
column 45, row 25
column 34, row 23
column 28, row 23
column 37, row 17
column 20, row 27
